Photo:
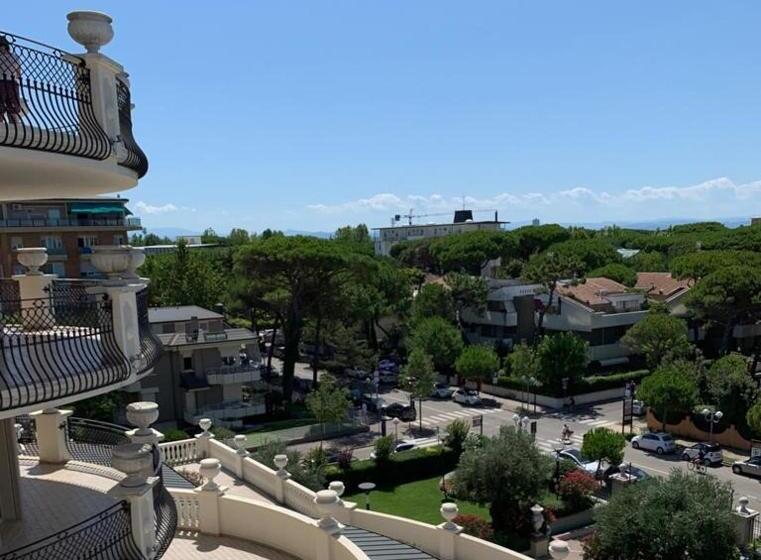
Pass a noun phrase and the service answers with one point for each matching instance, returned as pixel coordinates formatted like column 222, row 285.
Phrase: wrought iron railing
column 92, row 441
column 70, row 222
column 150, row 345
column 135, row 158
column 164, row 508
column 104, row 536
column 57, row 346
column 46, row 102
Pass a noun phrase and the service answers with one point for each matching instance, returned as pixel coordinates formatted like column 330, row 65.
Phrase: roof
column 592, row 292
column 230, row 335
column 402, row 226
column 180, row 313
column 660, row 284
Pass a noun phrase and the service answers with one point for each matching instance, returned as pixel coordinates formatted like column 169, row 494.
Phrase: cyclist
column 566, row 433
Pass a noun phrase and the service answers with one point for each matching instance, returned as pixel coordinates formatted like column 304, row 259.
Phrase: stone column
column 448, row 531
column 133, row 459
column 281, row 461
column 208, row 497
column 142, row 414
column 203, row 439
column 33, row 289
column 745, row 518
column 51, row 434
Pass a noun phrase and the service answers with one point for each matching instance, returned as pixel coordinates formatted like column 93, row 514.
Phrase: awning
column 99, row 208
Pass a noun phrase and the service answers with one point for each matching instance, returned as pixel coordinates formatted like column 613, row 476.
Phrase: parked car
column 387, row 377
column 751, row 467
column 405, row 412
column 660, row 442
column 442, row 391
column 575, row 456
column 631, row 470
column 403, row 445
column 638, row 408
column 712, row 454
column 467, row 397
column 374, row 404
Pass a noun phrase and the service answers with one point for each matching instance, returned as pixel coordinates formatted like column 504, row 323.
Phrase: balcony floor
column 192, row 546
column 52, row 499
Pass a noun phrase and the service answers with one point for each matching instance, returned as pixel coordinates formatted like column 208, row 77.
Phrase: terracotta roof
column 592, row 292
column 660, row 284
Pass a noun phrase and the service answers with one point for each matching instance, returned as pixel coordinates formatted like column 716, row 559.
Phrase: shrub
column 316, row 457
column 457, row 431
column 383, row 447
column 475, row 526
column 576, row 489
column 344, row 458
column 194, row 477
column 222, row 434
column 175, row 435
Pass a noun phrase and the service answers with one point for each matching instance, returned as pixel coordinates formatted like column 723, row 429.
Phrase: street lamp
column 396, row 429
column 713, row 417
column 367, row 487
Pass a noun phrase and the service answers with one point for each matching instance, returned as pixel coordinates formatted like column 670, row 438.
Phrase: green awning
column 99, row 208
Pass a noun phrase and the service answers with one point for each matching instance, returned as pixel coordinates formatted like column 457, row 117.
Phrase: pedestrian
column 572, row 403
column 10, row 73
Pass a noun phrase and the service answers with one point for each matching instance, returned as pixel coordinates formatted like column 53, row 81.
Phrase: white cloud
column 145, row 208
column 719, row 197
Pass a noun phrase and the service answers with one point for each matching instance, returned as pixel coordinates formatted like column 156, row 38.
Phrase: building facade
column 463, row 222
column 67, row 228
column 208, row 369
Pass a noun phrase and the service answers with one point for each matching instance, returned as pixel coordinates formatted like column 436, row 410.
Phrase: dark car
column 405, row 412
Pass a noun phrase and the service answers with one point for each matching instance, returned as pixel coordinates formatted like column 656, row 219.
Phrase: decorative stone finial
column 133, row 459
column 32, row 258
column 92, row 30
column 281, row 461
column 338, row 487
column 210, row 469
column 559, row 549
column 449, row 511
column 240, row 443
column 137, row 258
column 112, row 260
column 327, row 503
column 537, row 517
column 743, row 504
column 205, row 424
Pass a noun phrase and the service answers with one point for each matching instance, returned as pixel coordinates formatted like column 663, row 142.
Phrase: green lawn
column 418, row 500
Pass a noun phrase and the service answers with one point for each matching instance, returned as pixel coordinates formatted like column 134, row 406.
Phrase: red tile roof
column 660, row 285
column 593, row 291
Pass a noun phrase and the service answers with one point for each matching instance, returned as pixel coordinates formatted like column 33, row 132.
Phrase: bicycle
column 698, row 466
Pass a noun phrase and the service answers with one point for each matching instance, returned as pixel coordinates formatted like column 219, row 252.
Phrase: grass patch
column 282, row 425
column 418, row 500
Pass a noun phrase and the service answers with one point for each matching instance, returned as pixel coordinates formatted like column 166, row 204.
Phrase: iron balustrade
column 164, row 508
column 46, row 101
column 57, row 346
column 135, row 158
column 92, row 441
column 151, row 348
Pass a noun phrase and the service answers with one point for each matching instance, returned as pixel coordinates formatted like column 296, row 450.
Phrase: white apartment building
column 463, row 222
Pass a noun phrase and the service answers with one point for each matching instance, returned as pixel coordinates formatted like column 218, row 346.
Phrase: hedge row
column 584, row 385
column 406, row 466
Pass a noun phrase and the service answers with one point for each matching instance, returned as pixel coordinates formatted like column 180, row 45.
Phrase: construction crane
column 398, row 217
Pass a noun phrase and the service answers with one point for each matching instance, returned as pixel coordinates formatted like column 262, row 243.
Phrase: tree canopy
column 603, row 444
column 658, row 336
column 439, row 339
column 561, row 356
column 477, row 363
column 671, row 389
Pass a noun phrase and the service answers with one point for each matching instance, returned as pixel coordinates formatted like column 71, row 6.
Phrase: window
column 16, row 243
column 54, row 213
column 187, row 362
column 51, row 241
column 87, row 241
column 118, row 239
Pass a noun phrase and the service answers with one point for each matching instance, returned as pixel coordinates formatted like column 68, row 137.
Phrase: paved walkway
column 193, row 546
column 235, row 485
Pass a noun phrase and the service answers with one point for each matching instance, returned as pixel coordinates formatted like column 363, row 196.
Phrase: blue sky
column 309, row 115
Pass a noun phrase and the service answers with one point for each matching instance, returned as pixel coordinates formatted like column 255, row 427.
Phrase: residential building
column 463, row 222
column 163, row 249
column 67, row 227
column 208, row 369
column 663, row 288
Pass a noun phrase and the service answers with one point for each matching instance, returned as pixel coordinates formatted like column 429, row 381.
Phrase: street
column 496, row 411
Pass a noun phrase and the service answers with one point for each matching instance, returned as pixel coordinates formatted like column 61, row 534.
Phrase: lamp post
column 367, row 487
column 713, row 417
column 396, row 429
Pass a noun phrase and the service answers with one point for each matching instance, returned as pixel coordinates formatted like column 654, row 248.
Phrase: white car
column 638, row 408
column 712, row 454
column 403, row 445
column 467, row 397
column 660, row 442
column 575, row 456
column 442, row 391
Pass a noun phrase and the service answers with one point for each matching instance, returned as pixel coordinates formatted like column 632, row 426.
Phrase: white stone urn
column 32, row 258
column 210, row 469
column 112, row 260
column 559, row 550
column 137, row 258
column 537, row 517
column 338, row 487
column 240, row 444
column 328, row 505
column 142, row 414
column 281, row 461
column 134, row 460
column 449, row 511
column 205, row 424
column 92, row 30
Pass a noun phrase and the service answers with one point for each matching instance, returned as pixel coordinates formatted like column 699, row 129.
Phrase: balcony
column 73, row 475
column 67, row 127
column 228, row 414
column 66, row 342
column 233, row 374
column 131, row 222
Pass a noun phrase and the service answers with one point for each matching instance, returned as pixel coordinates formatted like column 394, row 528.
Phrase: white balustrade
column 180, row 452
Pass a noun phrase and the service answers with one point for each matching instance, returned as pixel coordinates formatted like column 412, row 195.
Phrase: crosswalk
column 550, row 445
column 597, row 423
column 443, row 418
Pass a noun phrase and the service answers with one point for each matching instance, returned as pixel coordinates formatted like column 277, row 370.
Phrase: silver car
column 751, row 467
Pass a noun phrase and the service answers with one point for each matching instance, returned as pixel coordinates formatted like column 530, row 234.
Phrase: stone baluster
column 134, row 460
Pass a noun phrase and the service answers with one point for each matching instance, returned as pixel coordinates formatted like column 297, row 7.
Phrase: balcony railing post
column 103, row 73
column 51, row 435
column 34, row 288
column 142, row 414
column 134, row 459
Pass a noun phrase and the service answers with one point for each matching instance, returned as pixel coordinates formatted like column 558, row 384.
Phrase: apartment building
column 463, row 222
column 208, row 369
column 67, row 227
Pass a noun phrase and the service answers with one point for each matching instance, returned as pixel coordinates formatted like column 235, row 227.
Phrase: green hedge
column 585, row 385
column 406, row 466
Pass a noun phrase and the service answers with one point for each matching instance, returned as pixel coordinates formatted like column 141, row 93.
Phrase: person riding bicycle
column 701, row 456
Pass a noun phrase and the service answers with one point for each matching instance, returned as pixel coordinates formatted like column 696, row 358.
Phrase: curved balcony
column 65, row 123
column 65, row 346
column 106, row 534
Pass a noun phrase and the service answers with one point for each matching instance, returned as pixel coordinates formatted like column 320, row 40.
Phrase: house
column 663, row 288
column 463, row 222
column 208, row 369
